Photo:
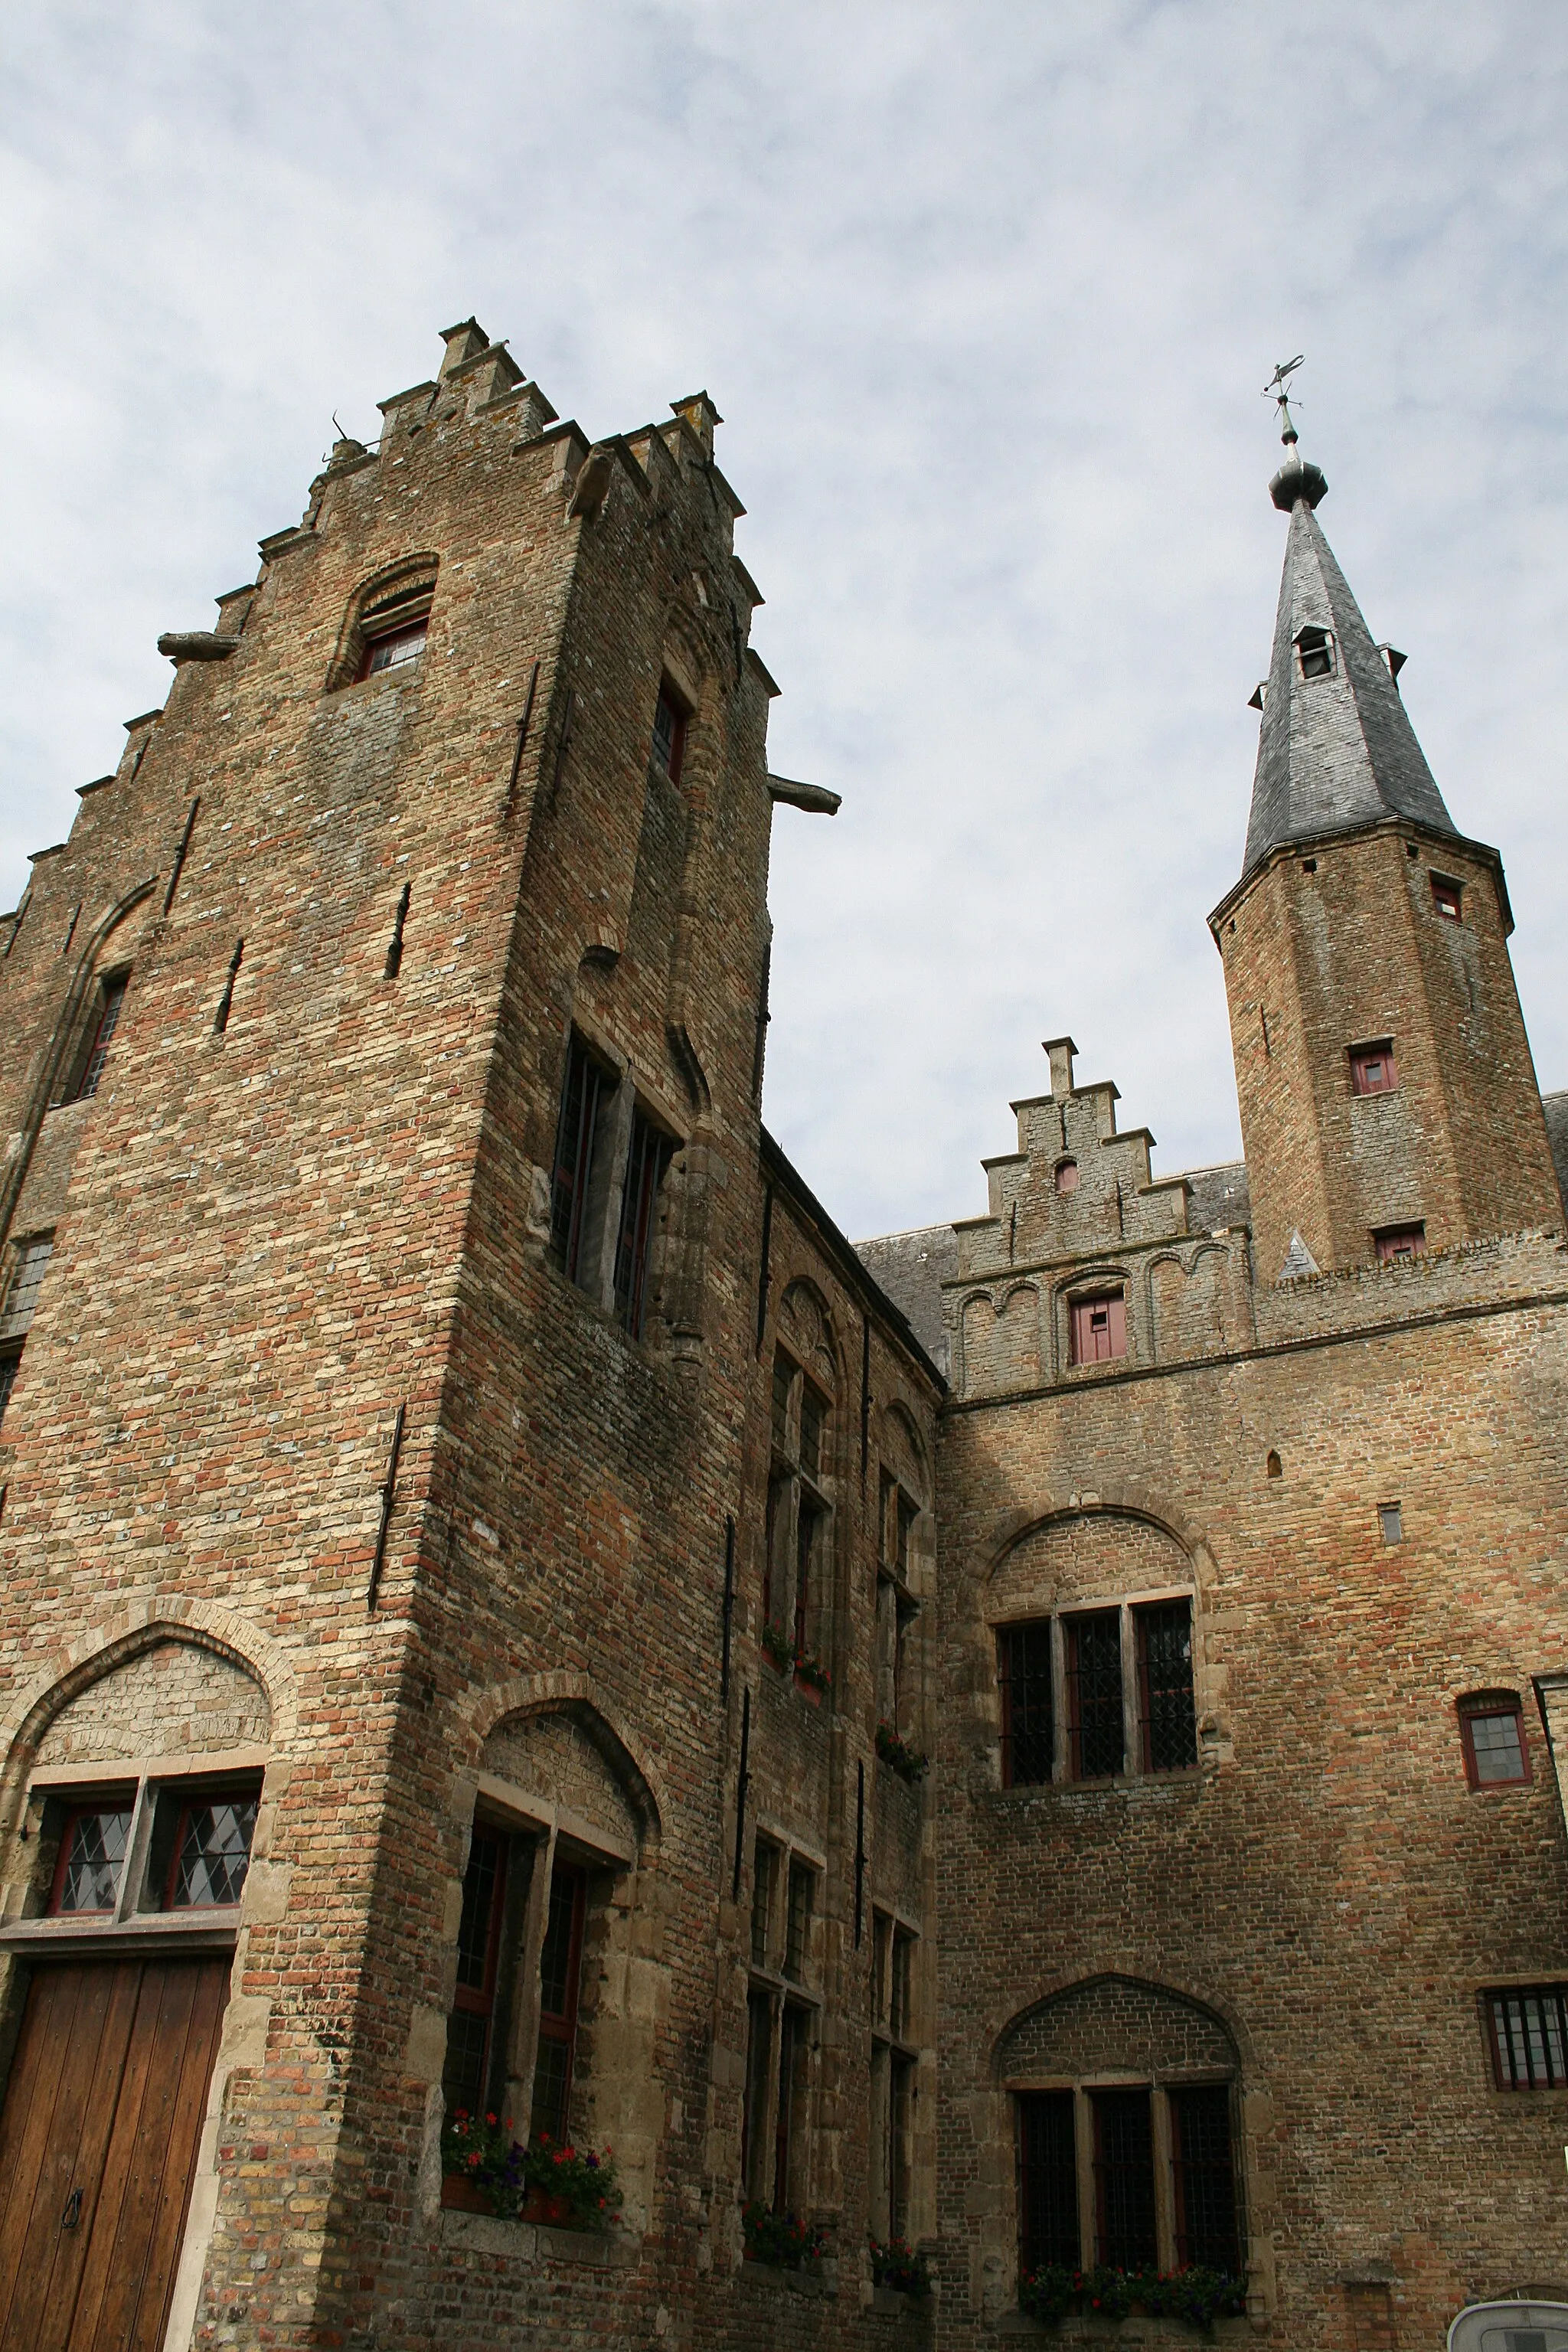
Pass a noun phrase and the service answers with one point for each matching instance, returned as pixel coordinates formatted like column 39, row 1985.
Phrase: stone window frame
column 545, row 1829
column 795, row 1489
column 55, row 1790
column 1133, row 1768
column 895, row 2056
column 1159, row 2086
column 791, row 2007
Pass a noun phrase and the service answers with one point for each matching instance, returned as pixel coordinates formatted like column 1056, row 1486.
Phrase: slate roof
column 1335, row 753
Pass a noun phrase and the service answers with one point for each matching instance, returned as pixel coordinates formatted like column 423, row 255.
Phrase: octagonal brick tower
column 1388, row 1100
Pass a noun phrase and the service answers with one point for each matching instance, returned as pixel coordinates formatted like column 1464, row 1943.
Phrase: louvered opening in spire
column 1336, row 750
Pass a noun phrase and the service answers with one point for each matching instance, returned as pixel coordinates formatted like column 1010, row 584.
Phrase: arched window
column 386, row 625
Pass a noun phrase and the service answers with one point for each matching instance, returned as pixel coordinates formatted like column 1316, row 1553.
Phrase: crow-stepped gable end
column 584, row 1761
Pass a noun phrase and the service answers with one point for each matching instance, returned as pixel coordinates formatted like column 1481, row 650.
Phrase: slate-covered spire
column 1337, row 751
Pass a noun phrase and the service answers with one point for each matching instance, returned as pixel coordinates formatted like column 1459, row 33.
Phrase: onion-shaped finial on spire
column 1297, row 478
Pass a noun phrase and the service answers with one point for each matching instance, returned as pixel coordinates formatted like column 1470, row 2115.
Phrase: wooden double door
column 98, row 2143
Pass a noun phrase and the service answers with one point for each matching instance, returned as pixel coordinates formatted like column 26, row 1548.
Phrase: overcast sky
column 986, row 295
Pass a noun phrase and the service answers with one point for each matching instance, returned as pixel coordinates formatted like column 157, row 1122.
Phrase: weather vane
column 1278, row 389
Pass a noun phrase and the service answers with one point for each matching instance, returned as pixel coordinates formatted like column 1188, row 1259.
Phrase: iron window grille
column 1028, row 1721
column 1096, row 1735
column 1529, row 2033
column 1048, row 2180
column 651, row 1156
column 470, row 2028
column 1125, row 2231
column 559, row 1979
column 1167, row 1726
column 584, row 1096
column 1203, row 2167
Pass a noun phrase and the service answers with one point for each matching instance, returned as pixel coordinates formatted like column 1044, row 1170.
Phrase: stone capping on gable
column 75, row 1666
column 565, row 1694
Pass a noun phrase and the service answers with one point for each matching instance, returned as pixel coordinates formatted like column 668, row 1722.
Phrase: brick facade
column 330, row 1463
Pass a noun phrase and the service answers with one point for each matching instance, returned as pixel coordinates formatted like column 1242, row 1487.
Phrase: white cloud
column 985, row 293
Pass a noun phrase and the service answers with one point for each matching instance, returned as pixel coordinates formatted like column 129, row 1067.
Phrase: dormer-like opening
column 1315, row 652
column 1447, row 897
column 1066, row 1176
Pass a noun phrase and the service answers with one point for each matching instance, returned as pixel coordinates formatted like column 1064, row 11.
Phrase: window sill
column 1120, row 1784
column 894, row 2300
column 162, row 1931
column 781, row 2278
column 537, row 2242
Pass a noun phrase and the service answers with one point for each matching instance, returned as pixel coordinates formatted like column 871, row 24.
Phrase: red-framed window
column 651, row 1156
column 1400, row 1241
column 1204, row 2172
column 1167, row 1727
column 471, row 2028
column 94, row 1842
column 1066, row 1178
column 669, row 733
column 1124, row 2226
column 560, row 1986
column 110, row 999
column 1372, row 1067
column 1491, row 1731
column 211, row 1855
column 1447, row 896
column 1096, row 1739
column 393, row 647
column 1047, row 2182
column 1528, row 2028
column 1028, row 1718
column 1099, row 1327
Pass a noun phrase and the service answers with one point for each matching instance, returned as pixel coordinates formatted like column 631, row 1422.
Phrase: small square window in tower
column 1447, row 896
column 669, row 733
column 1099, row 1328
column 1373, row 1070
column 1315, row 652
column 1400, row 1241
